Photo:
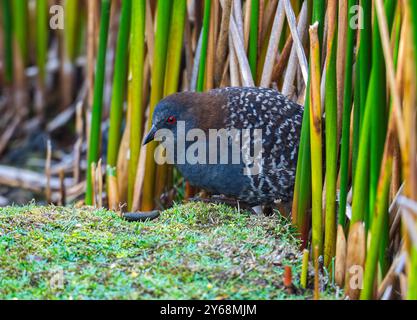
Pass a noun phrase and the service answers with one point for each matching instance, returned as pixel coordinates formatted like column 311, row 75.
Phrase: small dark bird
column 275, row 116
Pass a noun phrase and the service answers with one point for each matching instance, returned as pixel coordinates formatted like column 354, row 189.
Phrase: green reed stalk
column 412, row 277
column 204, row 46
column 72, row 13
column 302, row 189
column 379, row 229
column 41, row 36
column 95, row 134
column 396, row 30
column 175, row 46
column 374, row 109
column 378, row 238
column 137, row 56
column 357, row 113
column 347, row 108
column 172, row 77
column 20, row 26
column 119, row 83
column 384, row 232
column 413, row 8
column 253, row 37
column 319, row 10
column 360, row 192
column 365, row 50
column 379, row 109
column 316, row 141
column 331, row 136
column 8, row 39
column 363, row 71
column 158, row 78
column 380, row 219
column 412, row 280
column 315, row 125
column 304, row 270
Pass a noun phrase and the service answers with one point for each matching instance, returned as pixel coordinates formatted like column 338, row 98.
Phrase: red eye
column 172, row 120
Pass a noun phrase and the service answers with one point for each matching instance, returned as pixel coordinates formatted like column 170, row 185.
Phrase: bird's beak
column 150, row 136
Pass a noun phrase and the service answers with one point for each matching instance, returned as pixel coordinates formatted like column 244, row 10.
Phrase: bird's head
column 195, row 110
column 166, row 116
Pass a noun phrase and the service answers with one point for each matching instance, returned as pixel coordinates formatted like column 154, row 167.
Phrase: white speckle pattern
column 280, row 120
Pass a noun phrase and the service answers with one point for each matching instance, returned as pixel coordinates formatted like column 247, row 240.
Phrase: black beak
column 150, row 136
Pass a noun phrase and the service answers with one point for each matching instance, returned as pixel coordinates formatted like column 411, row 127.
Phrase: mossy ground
column 194, row 251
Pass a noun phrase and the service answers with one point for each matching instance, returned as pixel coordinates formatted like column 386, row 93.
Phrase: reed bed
column 351, row 63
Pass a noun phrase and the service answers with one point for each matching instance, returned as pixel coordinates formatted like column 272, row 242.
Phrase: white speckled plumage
column 235, row 108
column 280, row 120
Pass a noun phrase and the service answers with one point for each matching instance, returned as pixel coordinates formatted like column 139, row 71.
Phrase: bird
column 239, row 110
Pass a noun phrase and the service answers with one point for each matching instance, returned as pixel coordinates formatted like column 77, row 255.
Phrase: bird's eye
column 171, row 120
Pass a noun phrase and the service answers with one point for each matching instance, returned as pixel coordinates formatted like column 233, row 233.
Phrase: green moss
column 195, row 251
